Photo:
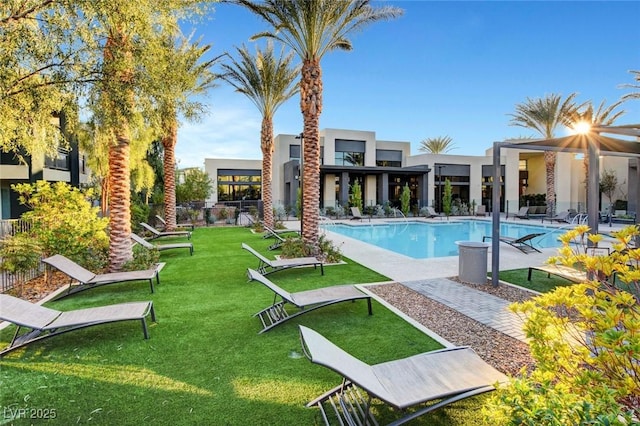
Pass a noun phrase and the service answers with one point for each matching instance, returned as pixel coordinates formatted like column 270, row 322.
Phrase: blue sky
column 442, row 69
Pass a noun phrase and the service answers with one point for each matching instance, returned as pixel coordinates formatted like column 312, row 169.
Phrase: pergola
column 592, row 143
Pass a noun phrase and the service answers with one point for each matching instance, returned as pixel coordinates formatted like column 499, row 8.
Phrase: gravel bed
column 505, row 353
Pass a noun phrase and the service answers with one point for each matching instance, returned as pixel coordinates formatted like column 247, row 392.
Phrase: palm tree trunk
column 104, row 196
column 311, row 107
column 266, row 134
column 118, row 98
column 120, row 202
column 550, row 166
column 169, row 165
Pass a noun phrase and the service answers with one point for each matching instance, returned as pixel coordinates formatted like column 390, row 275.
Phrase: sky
column 443, row 68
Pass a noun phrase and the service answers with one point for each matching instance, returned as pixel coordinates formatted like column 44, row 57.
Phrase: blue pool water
column 426, row 240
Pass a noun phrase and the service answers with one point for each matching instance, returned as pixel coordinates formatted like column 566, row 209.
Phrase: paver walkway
column 478, row 305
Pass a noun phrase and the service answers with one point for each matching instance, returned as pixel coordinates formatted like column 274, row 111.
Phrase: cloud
column 230, row 132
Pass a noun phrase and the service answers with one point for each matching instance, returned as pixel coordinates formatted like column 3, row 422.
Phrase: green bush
column 63, row 220
column 585, row 340
column 139, row 213
column 143, row 258
column 295, row 247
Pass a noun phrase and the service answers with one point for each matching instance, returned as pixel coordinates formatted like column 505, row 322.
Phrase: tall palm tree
column 600, row 117
column 633, row 95
column 183, row 75
column 268, row 81
column 437, row 145
column 312, row 28
column 544, row 115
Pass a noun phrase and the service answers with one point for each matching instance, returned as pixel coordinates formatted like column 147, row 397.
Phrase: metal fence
column 9, row 228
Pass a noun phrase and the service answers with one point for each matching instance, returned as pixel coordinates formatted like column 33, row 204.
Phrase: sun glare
column 582, row 128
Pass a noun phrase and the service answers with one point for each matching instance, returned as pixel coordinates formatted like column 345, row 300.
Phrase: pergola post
column 593, row 186
column 495, row 215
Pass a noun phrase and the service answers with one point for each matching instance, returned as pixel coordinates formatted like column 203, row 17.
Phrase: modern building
column 383, row 168
column 69, row 165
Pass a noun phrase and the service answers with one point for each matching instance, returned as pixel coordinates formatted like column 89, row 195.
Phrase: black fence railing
column 9, row 228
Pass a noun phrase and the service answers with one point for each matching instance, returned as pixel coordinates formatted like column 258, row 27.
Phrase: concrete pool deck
column 431, row 277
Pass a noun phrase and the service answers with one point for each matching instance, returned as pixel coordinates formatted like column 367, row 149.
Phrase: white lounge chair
column 157, row 234
column 44, row 322
column 446, row 375
column 87, row 279
column 306, row 301
column 178, row 225
column 266, row 266
column 160, row 247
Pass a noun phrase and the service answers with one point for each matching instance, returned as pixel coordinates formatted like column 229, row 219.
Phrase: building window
column 237, row 185
column 294, row 152
column 388, row 158
column 59, row 162
column 349, row 158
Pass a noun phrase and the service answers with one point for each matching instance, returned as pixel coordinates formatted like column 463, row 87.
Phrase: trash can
column 472, row 263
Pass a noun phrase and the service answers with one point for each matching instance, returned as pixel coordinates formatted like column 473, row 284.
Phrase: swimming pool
column 422, row 240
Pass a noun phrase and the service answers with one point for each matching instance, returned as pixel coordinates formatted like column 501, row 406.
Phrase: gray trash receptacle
column 472, row 263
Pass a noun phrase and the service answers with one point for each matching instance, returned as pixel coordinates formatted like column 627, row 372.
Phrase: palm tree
column 633, row 95
column 437, row 145
column 312, row 28
column 269, row 82
column 544, row 115
column 183, row 76
column 600, row 117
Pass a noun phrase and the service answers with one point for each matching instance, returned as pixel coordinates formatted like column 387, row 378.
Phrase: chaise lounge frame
column 521, row 243
column 157, row 234
column 266, row 266
column 160, row 247
column 306, row 301
column 447, row 375
column 43, row 323
column 88, row 280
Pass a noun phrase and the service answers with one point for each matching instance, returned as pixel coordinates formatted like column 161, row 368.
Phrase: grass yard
column 540, row 282
column 204, row 362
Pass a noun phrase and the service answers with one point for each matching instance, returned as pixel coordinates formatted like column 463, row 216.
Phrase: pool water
column 421, row 240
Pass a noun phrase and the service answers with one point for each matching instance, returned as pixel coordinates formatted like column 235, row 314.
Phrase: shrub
column 143, row 258
column 586, row 342
column 295, row 247
column 63, row 220
column 405, row 199
column 139, row 213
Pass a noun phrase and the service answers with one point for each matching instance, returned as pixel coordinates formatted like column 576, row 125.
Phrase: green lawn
column 540, row 282
column 204, row 362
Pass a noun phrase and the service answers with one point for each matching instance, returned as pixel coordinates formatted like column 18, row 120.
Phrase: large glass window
column 349, row 158
column 59, row 162
column 388, row 158
column 236, row 185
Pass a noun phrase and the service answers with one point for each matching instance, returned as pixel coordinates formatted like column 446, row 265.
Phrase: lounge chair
column 179, row 225
column 306, row 301
column 431, row 213
column 45, row 322
column 521, row 243
column 561, row 217
column 481, row 210
column 523, row 213
column 271, row 232
column 563, row 271
column 447, row 375
column 355, row 213
column 157, row 234
column 87, row 279
column 266, row 266
column 160, row 247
